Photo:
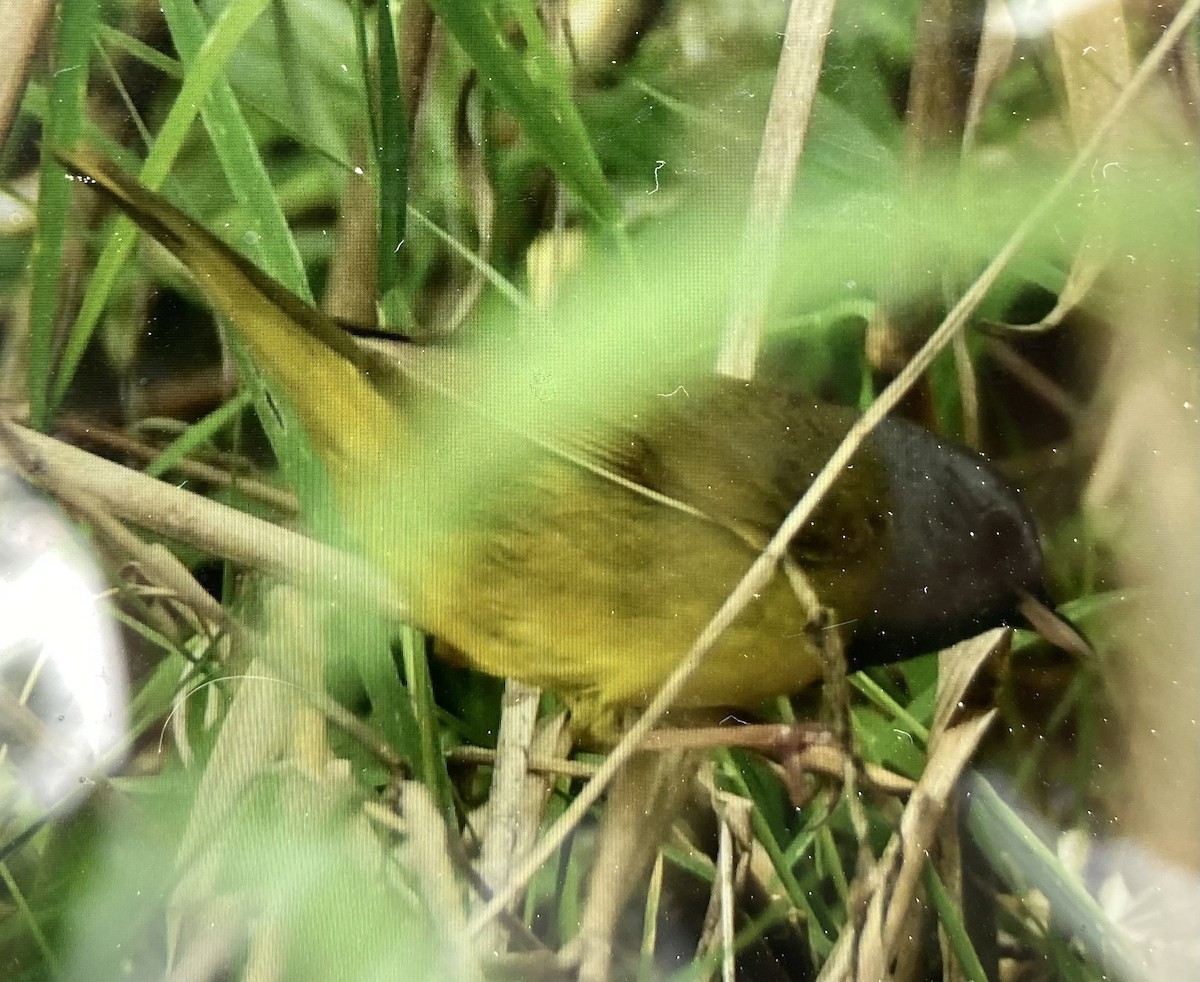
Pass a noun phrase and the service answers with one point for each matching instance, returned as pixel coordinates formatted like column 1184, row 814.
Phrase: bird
column 586, row 558
column 589, row 566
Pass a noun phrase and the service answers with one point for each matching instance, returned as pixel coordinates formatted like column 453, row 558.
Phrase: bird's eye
column 999, row 526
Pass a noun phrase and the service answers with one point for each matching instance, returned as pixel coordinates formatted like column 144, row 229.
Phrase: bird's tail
column 328, row 379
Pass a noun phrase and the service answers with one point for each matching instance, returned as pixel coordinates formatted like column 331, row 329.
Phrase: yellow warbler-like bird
column 590, row 573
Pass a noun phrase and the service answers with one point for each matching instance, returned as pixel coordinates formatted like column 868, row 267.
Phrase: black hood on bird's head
column 963, row 549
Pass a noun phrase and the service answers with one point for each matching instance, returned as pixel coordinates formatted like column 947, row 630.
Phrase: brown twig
column 97, row 434
column 555, row 766
column 186, row 517
column 792, row 99
column 23, row 22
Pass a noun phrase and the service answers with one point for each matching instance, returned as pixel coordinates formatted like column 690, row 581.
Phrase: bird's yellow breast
column 568, row 581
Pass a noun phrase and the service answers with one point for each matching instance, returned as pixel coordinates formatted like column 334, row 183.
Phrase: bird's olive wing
column 742, row 456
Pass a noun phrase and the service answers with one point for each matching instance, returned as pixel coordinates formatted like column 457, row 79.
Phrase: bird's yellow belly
column 599, row 602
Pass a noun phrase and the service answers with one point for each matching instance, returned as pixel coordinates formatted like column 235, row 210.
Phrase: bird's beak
column 1054, row 627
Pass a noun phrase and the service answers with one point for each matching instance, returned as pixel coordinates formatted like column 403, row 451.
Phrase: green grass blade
column 17, row 899
column 392, row 171
column 63, row 120
column 430, row 761
column 1026, row 863
column 140, row 51
column 950, row 917
column 812, row 909
column 530, row 85
column 214, row 52
column 199, row 434
column 271, row 244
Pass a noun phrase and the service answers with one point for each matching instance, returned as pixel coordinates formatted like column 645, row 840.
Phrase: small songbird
column 587, row 560
column 590, row 570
